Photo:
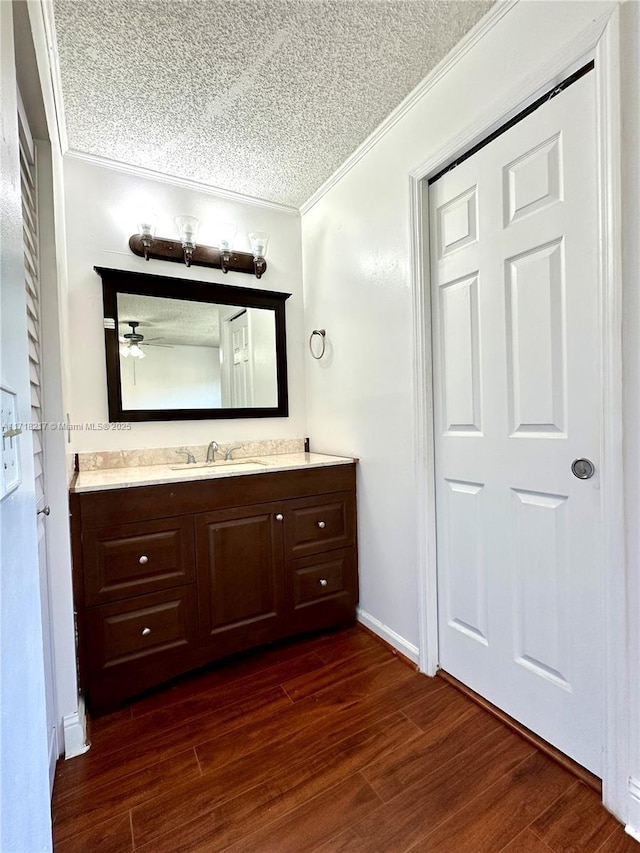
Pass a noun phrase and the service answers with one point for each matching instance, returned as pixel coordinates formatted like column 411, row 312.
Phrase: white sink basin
column 185, row 466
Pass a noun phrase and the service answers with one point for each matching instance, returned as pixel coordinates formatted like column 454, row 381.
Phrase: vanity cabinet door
column 240, row 578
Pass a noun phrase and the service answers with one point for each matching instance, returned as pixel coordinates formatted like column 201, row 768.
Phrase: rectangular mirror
column 178, row 349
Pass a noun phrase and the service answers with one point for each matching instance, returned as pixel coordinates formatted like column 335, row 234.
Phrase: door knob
column 583, row 469
column 46, row 510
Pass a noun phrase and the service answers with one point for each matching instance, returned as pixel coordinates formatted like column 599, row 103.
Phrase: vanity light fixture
column 187, row 228
column 226, row 233
column 259, row 241
column 221, row 256
column 147, row 230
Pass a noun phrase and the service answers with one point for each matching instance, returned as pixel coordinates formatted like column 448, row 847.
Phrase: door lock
column 583, row 469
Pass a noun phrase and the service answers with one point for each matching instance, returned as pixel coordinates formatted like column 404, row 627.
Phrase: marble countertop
column 155, row 475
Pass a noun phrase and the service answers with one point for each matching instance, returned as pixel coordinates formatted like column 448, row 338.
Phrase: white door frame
column 600, row 41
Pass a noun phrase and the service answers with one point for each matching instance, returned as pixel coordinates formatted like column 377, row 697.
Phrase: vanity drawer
column 313, row 525
column 323, row 590
column 133, row 559
column 138, row 642
column 315, row 578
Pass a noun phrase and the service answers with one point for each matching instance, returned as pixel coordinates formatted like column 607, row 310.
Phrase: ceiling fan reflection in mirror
column 132, row 342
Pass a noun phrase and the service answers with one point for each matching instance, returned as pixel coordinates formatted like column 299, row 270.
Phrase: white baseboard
column 634, row 833
column 75, row 732
column 53, row 757
column 388, row 635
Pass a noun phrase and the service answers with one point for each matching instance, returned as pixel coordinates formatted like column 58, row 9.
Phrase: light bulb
column 146, row 223
column 188, row 229
column 225, row 232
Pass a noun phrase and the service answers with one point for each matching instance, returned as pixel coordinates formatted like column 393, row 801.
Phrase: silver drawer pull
column 146, row 632
column 144, row 559
column 323, row 581
column 321, row 525
column 279, row 517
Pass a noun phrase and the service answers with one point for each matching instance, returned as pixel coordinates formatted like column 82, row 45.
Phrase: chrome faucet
column 211, row 451
column 228, row 455
column 191, row 459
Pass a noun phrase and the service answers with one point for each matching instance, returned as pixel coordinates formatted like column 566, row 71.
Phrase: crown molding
column 174, row 180
column 467, row 43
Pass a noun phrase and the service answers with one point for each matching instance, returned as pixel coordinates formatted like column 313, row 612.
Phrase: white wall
column 172, row 377
column 262, row 335
column 101, row 208
column 25, row 823
column 357, row 281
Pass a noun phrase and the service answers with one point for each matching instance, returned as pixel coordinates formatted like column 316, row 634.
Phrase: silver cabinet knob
column 321, row 525
column 146, row 632
column 279, row 517
column 46, row 510
column 323, row 581
column 144, row 559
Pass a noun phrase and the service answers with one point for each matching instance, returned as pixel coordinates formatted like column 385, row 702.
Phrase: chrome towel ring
column 322, row 335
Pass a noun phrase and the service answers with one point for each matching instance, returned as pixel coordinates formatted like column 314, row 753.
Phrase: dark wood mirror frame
column 121, row 281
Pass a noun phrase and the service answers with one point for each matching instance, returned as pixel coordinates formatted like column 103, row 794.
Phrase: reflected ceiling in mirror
column 170, row 321
column 179, row 349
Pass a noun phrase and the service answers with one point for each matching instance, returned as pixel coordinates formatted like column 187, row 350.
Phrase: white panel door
column 516, row 352
column 241, row 384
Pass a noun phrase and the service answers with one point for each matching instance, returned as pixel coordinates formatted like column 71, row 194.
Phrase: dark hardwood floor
column 328, row 744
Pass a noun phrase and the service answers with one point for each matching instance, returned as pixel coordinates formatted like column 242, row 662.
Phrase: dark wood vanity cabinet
column 170, row 577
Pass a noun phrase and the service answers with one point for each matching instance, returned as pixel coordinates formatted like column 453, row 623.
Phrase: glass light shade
column 259, row 241
column 124, row 351
column 136, row 352
column 146, row 223
column 188, row 229
column 225, row 232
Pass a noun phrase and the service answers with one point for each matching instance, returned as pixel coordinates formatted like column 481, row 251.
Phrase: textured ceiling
column 170, row 321
column 262, row 97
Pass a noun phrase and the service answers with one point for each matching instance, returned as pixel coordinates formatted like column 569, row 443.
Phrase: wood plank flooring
column 330, row 744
